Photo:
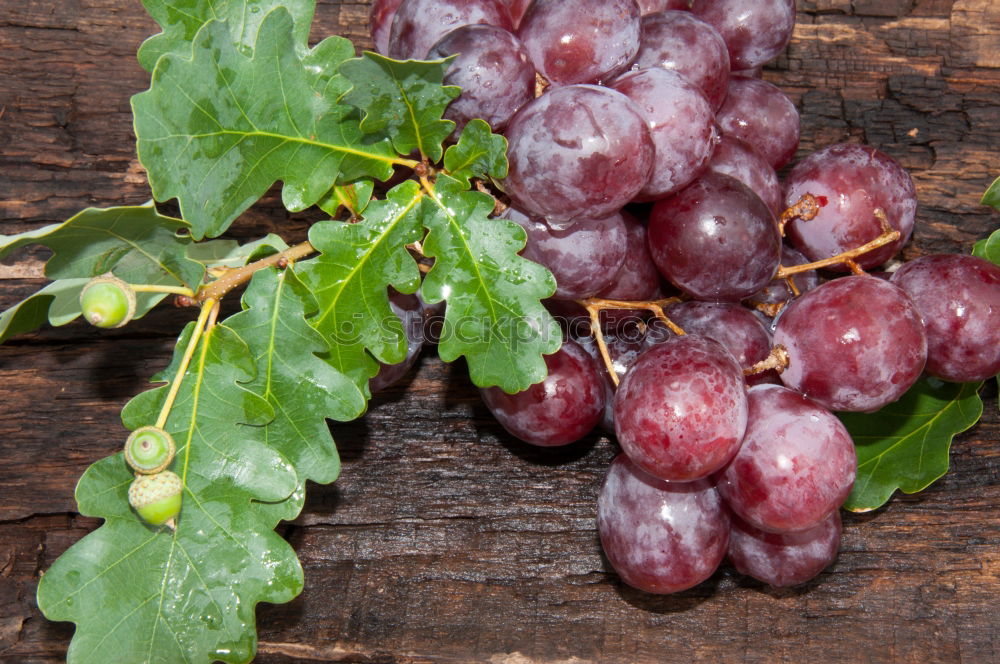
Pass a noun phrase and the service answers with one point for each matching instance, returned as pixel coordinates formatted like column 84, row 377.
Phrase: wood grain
column 446, row 540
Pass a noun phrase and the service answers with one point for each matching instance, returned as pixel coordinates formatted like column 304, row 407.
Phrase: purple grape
column 517, row 9
column 577, row 151
column 959, row 300
column 796, row 465
column 654, row 6
column 680, row 411
column 492, row 68
column 419, row 24
column 778, row 291
column 637, row 279
column 627, row 343
column 854, row 343
column 755, row 31
column 380, row 23
column 735, row 328
column 680, row 122
column 738, row 160
column 410, row 312
column 715, row 240
column 850, row 182
column 584, row 258
column 561, row 409
column 782, row 560
column 759, row 114
column 580, row 41
column 681, row 42
column 660, row 537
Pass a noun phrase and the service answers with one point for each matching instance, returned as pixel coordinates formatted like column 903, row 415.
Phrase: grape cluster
column 643, row 149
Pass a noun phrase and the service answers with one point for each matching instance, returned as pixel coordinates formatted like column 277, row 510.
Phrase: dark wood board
column 446, row 540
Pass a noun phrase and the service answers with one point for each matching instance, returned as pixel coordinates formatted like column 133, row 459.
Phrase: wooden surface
column 446, row 540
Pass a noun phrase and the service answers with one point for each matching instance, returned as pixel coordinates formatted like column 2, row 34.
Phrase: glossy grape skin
column 419, row 24
column 380, row 23
column 517, row 9
column 958, row 297
column 577, row 151
column 409, row 310
column 855, row 344
column 492, row 68
column 738, row 160
column 783, row 560
column 679, row 41
column 736, row 328
column 851, row 182
column 660, row 537
column 778, row 290
column 654, row 6
column 796, row 465
column 584, row 258
column 755, row 31
column 715, row 240
column 561, row 409
column 637, row 279
column 681, row 124
column 759, row 114
column 680, row 411
column 580, row 41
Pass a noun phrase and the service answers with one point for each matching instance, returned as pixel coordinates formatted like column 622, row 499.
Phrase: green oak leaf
column 136, row 243
column 992, row 195
column 402, row 100
column 905, row 444
column 181, row 20
column 302, row 389
column 352, row 197
column 139, row 593
column 216, row 131
column 230, row 253
column 479, row 153
column 494, row 315
column 349, row 279
column 988, row 248
column 58, row 304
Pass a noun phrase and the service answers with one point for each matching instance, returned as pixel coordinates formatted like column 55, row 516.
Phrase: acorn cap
column 149, row 450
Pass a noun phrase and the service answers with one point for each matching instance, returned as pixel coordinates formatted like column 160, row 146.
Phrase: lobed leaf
column 139, row 593
column 217, row 130
column 989, row 248
column 230, row 253
column 402, row 100
column 182, row 19
column 352, row 197
column 905, row 445
column 58, row 304
column 992, row 195
column 494, row 315
column 479, row 153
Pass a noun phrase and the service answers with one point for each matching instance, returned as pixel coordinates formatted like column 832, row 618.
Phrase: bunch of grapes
column 643, row 149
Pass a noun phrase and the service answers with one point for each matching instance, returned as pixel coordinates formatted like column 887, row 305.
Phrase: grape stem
column 805, row 209
column 777, row 360
column 847, row 258
column 209, row 312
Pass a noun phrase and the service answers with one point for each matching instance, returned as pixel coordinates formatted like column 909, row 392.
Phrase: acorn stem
column 175, row 385
column 170, row 290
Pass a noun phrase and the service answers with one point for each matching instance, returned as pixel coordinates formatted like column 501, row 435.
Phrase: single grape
column 577, row 151
column 850, row 182
column 680, row 122
column 637, row 279
column 492, row 68
column 580, row 41
column 380, row 23
column 583, row 259
column 715, row 240
column 755, row 31
column 759, row 114
column 660, row 537
column 517, row 9
column 782, row 560
column 419, row 24
column 681, row 42
column 855, row 344
column 410, row 312
column 738, row 160
column 959, row 300
column 681, row 410
column 795, row 467
column 734, row 327
column 561, row 409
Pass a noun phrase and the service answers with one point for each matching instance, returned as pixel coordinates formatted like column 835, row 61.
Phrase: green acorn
column 149, row 450
column 157, row 498
column 107, row 301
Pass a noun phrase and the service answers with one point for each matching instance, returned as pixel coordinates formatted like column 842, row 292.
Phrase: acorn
column 149, row 450
column 107, row 301
column 157, row 498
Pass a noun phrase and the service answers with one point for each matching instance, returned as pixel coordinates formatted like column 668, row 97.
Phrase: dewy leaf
column 218, row 130
column 479, row 153
column 353, row 197
column 494, row 315
column 302, row 389
column 992, row 195
column 402, row 100
column 905, row 445
column 230, row 253
column 182, row 19
column 58, row 304
column 136, row 243
column 145, row 594
column 350, row 278
column 989, row 248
